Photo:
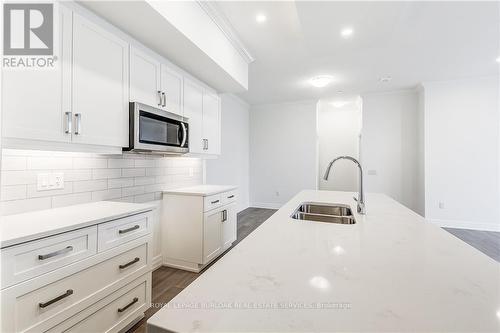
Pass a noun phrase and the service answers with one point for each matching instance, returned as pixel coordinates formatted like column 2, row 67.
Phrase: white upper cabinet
column 202, row 108
column 100, row 85
column 211, row 123
column 171, row 86
column 193, row 110
column 35, row 101
column 144, row 79
column 83, row 100
column 154, row 83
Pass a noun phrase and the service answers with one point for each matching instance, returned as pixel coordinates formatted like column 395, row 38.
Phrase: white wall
column 338, row 134
column 283, row 152
column 389, row 145
column 232, row 166
column 461, row 153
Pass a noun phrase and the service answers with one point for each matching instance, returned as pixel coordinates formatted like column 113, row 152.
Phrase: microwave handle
column 184, row 134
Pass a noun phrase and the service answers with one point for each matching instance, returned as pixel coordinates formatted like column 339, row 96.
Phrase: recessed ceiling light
column 340, row 91
column 385, row 79
column 321, row 81
column 498, row 59
column 261, row 18
column 346, row 32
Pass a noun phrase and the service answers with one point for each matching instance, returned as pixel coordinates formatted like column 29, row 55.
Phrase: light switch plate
column 50, row 181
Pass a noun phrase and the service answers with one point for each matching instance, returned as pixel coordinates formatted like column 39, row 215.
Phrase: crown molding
column 227, row 29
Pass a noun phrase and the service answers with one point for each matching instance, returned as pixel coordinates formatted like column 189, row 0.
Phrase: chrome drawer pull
column 230, row 197
column 57, row 299
column 129, row 263
column 214, row 202
column 124, row 231
column 135, row 300
column 56, row 253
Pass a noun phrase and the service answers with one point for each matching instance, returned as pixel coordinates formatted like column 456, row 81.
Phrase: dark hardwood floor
column 168, row 282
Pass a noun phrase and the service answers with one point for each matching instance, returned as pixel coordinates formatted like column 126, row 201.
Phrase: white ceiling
column 412, row 42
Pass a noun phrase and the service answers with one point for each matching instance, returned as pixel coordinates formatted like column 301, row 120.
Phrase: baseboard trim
column 266, row 205
column 458, row 224
column 156, row 262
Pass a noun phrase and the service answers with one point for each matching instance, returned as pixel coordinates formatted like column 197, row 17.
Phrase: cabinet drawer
column 57, row 298
column 113, row 312
column 212, row 202
column 31, row 259
column 228, row 197
column 120, row 231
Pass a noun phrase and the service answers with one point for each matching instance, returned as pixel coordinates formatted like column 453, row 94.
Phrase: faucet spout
column 361, row 195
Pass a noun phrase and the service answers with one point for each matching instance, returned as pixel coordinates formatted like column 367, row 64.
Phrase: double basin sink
column 329, row 213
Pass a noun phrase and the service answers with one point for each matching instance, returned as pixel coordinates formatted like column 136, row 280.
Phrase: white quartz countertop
column 201, row 190
column 391, row 271
column 20, row 228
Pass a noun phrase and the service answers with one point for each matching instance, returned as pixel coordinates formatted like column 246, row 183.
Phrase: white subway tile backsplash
column 44, row 163
column 120, row 163
column 13, row 163
column 120, row 182
column 90, row 177
column 135, row 190
column 138, row 172
column 90, row 185
column 13, row 192
column 144, row 180
column 22, row 206
column 106, row 173
column 71, row 199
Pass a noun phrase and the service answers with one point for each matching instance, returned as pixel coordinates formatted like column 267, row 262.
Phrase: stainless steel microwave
column 157, row 131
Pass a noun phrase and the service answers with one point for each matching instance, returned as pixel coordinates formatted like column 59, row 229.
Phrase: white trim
column 471, row 225
column 156, row 262
column 236, row 99
column 213, row 11
column 266, row 205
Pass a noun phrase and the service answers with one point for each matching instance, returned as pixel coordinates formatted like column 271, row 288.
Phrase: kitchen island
column 390, row 271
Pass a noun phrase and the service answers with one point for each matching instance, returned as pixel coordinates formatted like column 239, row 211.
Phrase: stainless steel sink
column 338, row 210
column 329, row 213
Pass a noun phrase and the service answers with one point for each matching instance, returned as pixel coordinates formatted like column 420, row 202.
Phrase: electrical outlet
column 50, row 181
column 441, row 205
column 277, row 193
column 372, row 172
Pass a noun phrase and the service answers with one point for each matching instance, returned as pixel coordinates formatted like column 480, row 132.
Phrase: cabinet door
column 34, row 101
column 171, row 86
column 193, row 109
column 212, row 243
column 229, row 225
column 211, row 123
column 144, row 79
column 100, row 85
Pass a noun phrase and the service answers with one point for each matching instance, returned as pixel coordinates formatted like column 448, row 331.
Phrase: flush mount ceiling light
column 321, row 81
column 498, row 59
column 346, row 32
column 261, row 18
column 385, row 79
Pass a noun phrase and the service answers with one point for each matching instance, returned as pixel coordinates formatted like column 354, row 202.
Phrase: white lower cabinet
column 85, row 287
column 197, row 228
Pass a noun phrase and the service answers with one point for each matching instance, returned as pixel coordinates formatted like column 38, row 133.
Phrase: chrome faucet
column 361, row 195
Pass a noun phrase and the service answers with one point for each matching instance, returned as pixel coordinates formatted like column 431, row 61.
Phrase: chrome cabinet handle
column 57, row 299
column 164, row 99
column 231, row 196
column 129, row 263
column 135, row 300
column 159, row 97
column 214, row 202
column 78, row 121
column 224, row 215
column 56, row 253
column 207, row 144
column 67, row 129
column 124, row 231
